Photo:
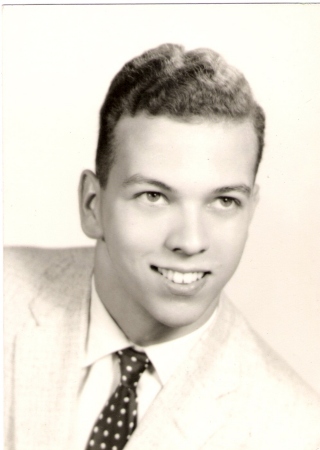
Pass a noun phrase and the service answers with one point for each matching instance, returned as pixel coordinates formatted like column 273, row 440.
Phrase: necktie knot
column 132, row 365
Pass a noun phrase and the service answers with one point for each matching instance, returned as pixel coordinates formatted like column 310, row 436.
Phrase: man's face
column 174, row 219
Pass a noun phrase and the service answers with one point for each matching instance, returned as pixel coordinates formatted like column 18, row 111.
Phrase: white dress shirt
column 101, row 371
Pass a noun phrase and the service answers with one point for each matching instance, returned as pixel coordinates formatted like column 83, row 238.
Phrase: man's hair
column 171, row 82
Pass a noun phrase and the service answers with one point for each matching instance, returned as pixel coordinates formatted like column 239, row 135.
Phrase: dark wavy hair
column 169, row 81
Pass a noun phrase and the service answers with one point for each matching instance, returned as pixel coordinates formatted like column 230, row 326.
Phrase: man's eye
column 227, row 202
column 153, row 197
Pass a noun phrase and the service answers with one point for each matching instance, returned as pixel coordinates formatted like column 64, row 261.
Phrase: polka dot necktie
column 118, row 419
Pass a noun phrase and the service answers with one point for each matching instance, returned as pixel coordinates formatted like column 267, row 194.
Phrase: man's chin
column 181, row 321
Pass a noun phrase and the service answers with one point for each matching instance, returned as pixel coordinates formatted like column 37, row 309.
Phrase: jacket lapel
column 47, row 361
column 199, row 396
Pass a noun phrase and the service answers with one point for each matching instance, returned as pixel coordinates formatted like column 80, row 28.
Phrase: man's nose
column 188, row 233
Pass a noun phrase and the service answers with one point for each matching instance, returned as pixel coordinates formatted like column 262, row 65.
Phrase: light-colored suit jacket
column 231, row 393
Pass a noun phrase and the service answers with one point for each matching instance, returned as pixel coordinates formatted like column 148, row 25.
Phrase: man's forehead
column 159, row 146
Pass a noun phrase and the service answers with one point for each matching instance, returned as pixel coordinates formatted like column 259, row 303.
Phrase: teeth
column 178, row 277
column 188, row 278
column 181, row 278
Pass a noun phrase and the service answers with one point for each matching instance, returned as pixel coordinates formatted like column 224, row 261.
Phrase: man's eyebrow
column 238, row 188
column 140, row 179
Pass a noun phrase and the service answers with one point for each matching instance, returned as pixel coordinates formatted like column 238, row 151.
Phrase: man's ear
column 89, row 204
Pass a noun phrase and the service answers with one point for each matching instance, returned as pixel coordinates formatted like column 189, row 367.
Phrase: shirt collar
column 105, row 337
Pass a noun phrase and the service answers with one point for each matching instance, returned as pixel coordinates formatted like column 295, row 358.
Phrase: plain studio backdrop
column 57, row 64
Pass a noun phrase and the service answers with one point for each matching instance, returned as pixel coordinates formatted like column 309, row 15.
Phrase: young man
column 180, row 142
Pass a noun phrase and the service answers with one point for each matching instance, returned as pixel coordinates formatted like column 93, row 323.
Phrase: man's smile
column 178, row 277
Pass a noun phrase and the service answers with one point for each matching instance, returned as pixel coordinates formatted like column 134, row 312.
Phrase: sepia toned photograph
column 161, row 227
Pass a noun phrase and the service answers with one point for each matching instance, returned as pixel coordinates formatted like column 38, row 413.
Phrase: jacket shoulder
column 32, row 264
column 285, row 402
column 31, row 273
column 36, row 260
